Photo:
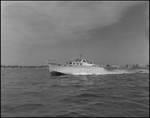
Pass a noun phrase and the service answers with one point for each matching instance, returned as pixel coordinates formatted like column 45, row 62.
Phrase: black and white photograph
column 74, row 58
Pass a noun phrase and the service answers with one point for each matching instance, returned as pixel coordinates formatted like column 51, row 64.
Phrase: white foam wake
column 112, row 72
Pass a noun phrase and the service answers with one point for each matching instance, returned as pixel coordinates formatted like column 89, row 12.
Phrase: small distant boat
column 76, row 67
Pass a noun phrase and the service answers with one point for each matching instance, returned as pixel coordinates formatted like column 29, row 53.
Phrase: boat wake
column 117, row 71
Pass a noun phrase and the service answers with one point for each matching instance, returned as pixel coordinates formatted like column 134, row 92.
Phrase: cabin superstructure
column 82, row 62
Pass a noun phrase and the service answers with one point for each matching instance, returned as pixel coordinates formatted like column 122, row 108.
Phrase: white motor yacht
column 76, row 67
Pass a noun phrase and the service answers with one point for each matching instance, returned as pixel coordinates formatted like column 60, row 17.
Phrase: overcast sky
column 115, row 32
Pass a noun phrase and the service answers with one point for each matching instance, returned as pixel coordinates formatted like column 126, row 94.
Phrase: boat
column 79, row 66
column 76, row 67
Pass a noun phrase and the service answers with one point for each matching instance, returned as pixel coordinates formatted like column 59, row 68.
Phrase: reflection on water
column 33, row 92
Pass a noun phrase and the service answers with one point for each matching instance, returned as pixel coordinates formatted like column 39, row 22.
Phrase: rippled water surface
column 33, row 92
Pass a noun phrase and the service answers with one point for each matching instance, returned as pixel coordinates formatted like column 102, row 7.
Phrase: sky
column 106, row 32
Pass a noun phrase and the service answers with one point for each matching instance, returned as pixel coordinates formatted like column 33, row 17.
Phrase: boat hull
column 75, row 69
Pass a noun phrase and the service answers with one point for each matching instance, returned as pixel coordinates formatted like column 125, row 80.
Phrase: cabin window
column 80, row 63
column 70, row 63
column 84, row 60
column 73, row 63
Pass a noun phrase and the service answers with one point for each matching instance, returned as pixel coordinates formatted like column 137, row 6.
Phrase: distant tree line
column 129, row 66
column 136, row 66
column 17, row 66
column 45, row 66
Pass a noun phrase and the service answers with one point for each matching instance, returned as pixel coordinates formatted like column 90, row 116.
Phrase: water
column 33, row 92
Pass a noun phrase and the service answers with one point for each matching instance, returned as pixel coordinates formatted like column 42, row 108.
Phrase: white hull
column 76, row 69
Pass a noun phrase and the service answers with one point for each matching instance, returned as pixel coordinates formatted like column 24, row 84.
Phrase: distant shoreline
column 107, row 68
column 22, row 67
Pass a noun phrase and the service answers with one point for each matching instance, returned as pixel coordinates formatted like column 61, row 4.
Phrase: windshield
column 90, row 62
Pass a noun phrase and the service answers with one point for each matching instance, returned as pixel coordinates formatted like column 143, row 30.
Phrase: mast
column 75, row 52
